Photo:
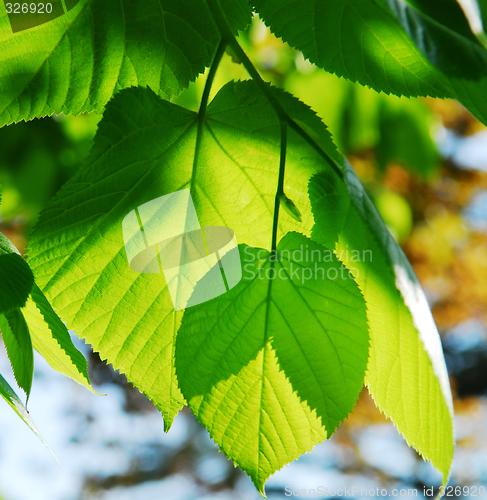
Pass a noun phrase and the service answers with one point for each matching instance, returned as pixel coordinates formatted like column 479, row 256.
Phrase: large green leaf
column 146, row 148
column 365, row 43
column 406, row 373
column 296, row 309
column 361, row 41
column 76, row 62
column 472, row 94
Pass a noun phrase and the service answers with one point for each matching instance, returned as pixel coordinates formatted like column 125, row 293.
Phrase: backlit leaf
column 77, row 61
column 406, row 374
column 16, row 337
column 265, row 365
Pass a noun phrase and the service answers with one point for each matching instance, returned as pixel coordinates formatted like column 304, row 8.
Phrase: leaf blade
column 442, row 32
column 78, row 61
column 402, row 343
column 144, row 150
column 16, row 277
column 141, row 132
column 16, row 337
column 388, row 60
column 52, row 341
column 330, row 34
column 266, row 365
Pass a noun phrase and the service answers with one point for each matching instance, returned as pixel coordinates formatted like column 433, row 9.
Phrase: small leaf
column 330, row 202
column 36, row 324
column 18, row 343
column 16, row 404
column 283, row 353
column 289, row 207
column 16, row 278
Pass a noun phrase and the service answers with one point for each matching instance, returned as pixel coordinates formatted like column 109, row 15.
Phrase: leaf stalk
column 280, row 183
column 203, row 105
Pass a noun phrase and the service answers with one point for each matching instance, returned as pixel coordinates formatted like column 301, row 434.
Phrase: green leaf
column 16, row 278
column 52, row 341
column 406, row 374
column 361, row 41
column 330, row 194
column 146, row 148
column 238, row 13
column 442, row 32
column 16, row 337
column 365, row 43
column 287, row 345
column 76, row 62
column 16, row 404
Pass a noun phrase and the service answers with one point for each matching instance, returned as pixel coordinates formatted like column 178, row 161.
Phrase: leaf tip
column 261, row 489
column 167, row 423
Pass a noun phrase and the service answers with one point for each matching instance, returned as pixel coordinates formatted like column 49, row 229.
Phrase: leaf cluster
column 273, row 366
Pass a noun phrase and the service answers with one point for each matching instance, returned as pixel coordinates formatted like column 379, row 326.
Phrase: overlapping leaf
column 52, row 341
column 76, row 62
column 406, row 374
column 16, row 337
column 364, row 42
column 16, row 278
column 360, row 41
column 274, row 365
column 16, row 281
column 35, row 325
column 145, row 148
